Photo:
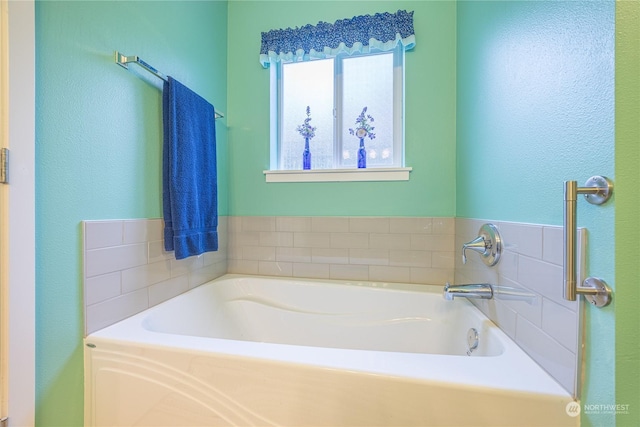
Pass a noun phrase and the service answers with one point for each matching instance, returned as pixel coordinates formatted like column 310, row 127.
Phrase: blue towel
column 189, row 179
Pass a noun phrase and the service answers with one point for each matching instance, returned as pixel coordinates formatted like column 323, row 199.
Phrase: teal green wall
column 430, row 116
column 99, row 135
column 535, row 107
column 98, row 150
column 627, row 208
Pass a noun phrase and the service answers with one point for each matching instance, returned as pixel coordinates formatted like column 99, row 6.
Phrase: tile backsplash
column 382, row 249
column 127, row 270
column 528, row 303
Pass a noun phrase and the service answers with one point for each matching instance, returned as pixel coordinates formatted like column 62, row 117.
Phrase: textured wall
column 98, row 133
column 535, row 107
column 98, row 150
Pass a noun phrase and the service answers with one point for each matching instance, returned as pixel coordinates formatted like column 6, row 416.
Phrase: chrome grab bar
column 597, row 190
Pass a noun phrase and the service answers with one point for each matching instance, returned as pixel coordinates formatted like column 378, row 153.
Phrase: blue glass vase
column 362, row 155
column 306, row 155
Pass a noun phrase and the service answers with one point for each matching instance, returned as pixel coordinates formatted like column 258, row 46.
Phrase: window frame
column 396, row 171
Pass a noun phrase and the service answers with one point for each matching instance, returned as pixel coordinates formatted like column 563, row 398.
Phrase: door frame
column 17, row 257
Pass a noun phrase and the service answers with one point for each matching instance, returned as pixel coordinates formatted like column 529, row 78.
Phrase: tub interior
column 378, row 317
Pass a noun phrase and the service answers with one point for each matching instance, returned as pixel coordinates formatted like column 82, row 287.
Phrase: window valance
column 363, row 34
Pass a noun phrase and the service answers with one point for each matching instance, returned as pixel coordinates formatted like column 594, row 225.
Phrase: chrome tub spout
column 481, row 291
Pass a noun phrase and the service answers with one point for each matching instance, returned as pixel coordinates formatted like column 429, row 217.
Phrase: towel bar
column 123, row 61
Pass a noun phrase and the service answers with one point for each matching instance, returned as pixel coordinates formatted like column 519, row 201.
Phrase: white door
column 3, row 203
column 4, row 135
column 17, row 213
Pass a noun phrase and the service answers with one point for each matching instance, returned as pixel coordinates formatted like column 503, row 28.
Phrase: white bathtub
column 256, row 351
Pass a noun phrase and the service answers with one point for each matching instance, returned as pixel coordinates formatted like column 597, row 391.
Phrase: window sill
column 338, row 175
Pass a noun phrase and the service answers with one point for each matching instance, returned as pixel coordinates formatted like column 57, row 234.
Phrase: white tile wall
column 389, row 249
column 126, row 269
column 529, row 305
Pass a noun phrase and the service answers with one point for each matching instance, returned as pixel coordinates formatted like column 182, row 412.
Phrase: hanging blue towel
column 189, row 178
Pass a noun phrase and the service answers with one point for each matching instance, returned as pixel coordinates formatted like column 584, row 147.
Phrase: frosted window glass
column 307, row 84
column 336, row 90
column 368, row 82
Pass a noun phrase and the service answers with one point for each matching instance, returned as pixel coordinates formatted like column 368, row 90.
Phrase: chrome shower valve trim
column 488, row 244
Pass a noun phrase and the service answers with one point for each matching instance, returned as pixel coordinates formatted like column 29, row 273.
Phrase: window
column 337, row 70
column 336, row 91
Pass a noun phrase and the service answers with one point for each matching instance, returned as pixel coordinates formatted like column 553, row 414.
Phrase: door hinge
column 4, row 176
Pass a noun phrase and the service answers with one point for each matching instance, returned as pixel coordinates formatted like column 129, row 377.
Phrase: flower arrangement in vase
column 308, row 132
column 363, row 129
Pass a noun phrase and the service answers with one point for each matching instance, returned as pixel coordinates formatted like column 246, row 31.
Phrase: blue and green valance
column 361, row 34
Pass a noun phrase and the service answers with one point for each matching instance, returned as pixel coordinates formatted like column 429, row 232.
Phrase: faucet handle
column 488, row 244
column 479, row 244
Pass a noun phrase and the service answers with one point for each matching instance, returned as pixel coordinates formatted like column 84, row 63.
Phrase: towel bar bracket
column 123, row 60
